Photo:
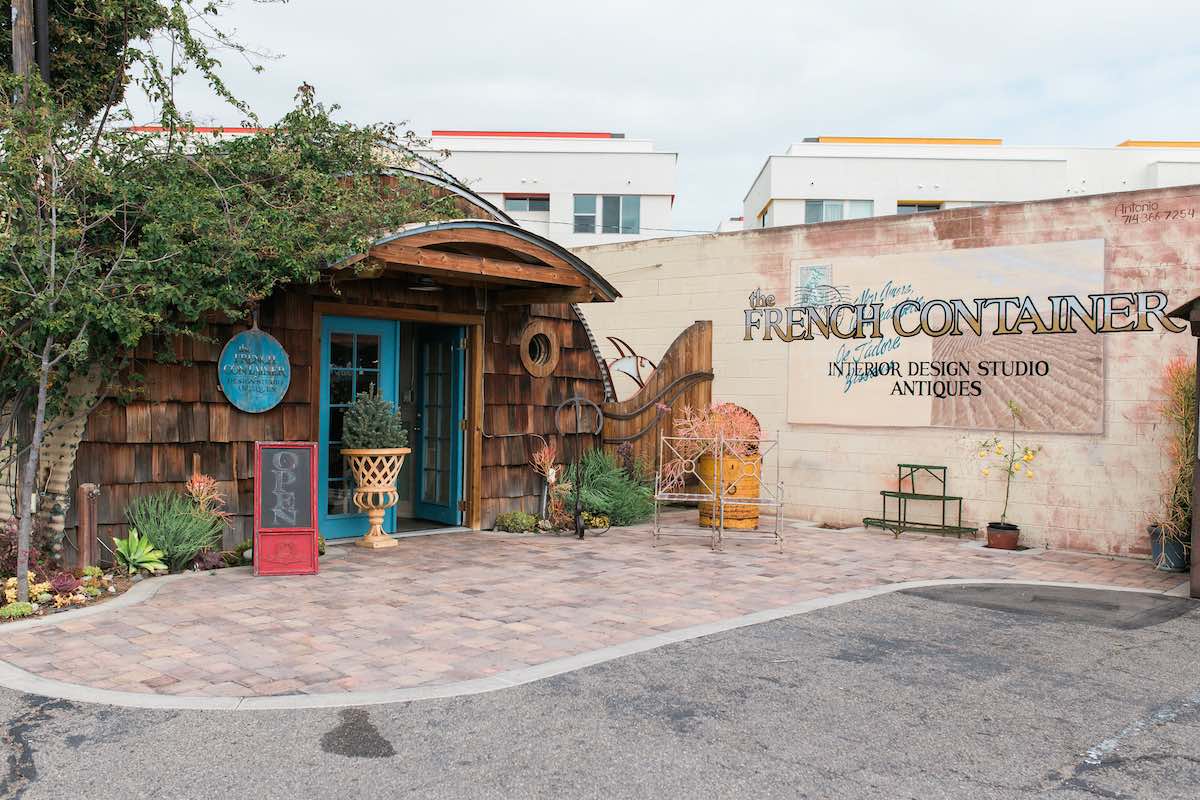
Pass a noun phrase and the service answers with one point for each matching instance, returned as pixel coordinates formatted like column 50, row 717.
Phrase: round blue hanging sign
column 254, row 371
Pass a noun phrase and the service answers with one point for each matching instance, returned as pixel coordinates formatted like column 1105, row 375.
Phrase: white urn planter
column 375, row 472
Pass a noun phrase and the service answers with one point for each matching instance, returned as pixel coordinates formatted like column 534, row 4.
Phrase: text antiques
column 285, row 508
column 1115, row 312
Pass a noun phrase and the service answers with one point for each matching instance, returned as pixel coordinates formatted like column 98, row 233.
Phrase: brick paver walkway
column 454, row 607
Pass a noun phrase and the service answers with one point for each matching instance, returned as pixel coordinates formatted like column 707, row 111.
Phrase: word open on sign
column 283, row 475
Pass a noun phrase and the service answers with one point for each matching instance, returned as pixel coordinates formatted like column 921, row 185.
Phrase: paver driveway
column 456, row 607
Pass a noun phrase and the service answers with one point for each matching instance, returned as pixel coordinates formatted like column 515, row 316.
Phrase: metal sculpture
column 578, row 403
column 629, row 363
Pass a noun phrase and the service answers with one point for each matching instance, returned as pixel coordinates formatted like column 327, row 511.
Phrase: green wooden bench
column 900, row 523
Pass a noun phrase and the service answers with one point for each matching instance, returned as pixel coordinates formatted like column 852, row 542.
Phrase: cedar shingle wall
column 182, row 419
column 517, row 402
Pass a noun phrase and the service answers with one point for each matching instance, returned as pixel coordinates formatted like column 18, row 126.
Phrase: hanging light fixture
column 425, row 283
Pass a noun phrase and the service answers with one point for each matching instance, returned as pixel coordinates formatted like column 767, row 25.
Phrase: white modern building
column 830, row 178
column 576, row 188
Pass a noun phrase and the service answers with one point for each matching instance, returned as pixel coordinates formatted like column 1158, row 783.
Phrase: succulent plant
column 64, row 583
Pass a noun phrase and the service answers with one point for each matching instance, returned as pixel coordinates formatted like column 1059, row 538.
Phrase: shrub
column 208, row 559
column 16, row 610
column 372, row 423
column 1178, row 408
column 516, row 522
column 175, row 525
column 39, row 550
column 591, row 520
column 607, row 490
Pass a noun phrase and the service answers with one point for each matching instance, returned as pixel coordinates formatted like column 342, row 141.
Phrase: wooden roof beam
column 525, row 297
column 476, row 265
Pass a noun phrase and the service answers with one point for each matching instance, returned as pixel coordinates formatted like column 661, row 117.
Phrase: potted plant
column 1013, row 460
column 737, row 434
column 374, row 443
column 1170, row 533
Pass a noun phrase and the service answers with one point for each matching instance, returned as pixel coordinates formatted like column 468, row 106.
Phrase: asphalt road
column 958, row 692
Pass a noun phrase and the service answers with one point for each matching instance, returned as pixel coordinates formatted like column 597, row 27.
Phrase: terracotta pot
column 375, row 472
column 739, row 479
column 1003, row 535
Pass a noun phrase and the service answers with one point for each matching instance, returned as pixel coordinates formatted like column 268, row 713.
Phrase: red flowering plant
column 697, row 433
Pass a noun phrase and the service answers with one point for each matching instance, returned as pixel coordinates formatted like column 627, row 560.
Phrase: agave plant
column 136, row 553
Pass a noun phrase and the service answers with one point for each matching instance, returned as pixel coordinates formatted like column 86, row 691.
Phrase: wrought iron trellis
column 692, row 487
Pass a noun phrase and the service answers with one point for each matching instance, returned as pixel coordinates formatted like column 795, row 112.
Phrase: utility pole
column 22, row 37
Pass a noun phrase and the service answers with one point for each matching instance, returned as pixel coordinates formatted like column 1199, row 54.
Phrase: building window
column 917, row 208
column 585, row 213
column 834, row 210
column 618, row 213
column 526, row 202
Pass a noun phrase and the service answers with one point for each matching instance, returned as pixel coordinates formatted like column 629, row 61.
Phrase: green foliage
column 16, row 610
column 1177, row 404
column 516, row 522
column 89, row 41
column 112, row 236
column 136, row 553
column 92, row 572
column 372, row 422
column 175, row 525
column 609, row 490
column 591, row 520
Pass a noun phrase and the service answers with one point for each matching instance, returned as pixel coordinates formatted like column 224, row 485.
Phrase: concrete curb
column 22, row 681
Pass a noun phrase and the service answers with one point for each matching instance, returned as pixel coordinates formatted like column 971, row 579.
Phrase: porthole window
column 539, row 348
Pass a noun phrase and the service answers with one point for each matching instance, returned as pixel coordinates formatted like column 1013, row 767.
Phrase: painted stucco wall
column 1093, row 492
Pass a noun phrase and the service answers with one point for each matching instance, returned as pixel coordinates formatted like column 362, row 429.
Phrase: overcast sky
column 727, row 84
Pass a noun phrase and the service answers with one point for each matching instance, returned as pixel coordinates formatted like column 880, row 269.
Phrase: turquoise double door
column 424, row 376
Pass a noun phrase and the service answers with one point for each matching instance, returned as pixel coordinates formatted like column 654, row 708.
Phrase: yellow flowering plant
column 1015, row 459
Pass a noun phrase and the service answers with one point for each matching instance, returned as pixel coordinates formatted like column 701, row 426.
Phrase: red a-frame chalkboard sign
column 285, row 508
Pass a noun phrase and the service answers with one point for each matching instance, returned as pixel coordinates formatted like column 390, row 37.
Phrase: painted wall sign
column 285, row 508
column 254, row 371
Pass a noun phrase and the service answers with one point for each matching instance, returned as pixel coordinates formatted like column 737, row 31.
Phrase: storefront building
column 469, row 326
column 1089, row 400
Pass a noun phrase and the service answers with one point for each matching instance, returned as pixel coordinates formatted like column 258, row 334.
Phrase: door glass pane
column 437, row 424
column 341, row 387
column 341, row 350
column 368, row 352
column 833, row 210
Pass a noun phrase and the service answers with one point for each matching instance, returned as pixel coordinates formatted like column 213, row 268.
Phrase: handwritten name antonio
column 1115, row 312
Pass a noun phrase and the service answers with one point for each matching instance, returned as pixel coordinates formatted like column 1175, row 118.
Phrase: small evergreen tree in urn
column 375, row 444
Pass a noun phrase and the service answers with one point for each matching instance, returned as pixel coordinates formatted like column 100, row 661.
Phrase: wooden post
column 22, row 37
column 85, row 528
column 1195, row 574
